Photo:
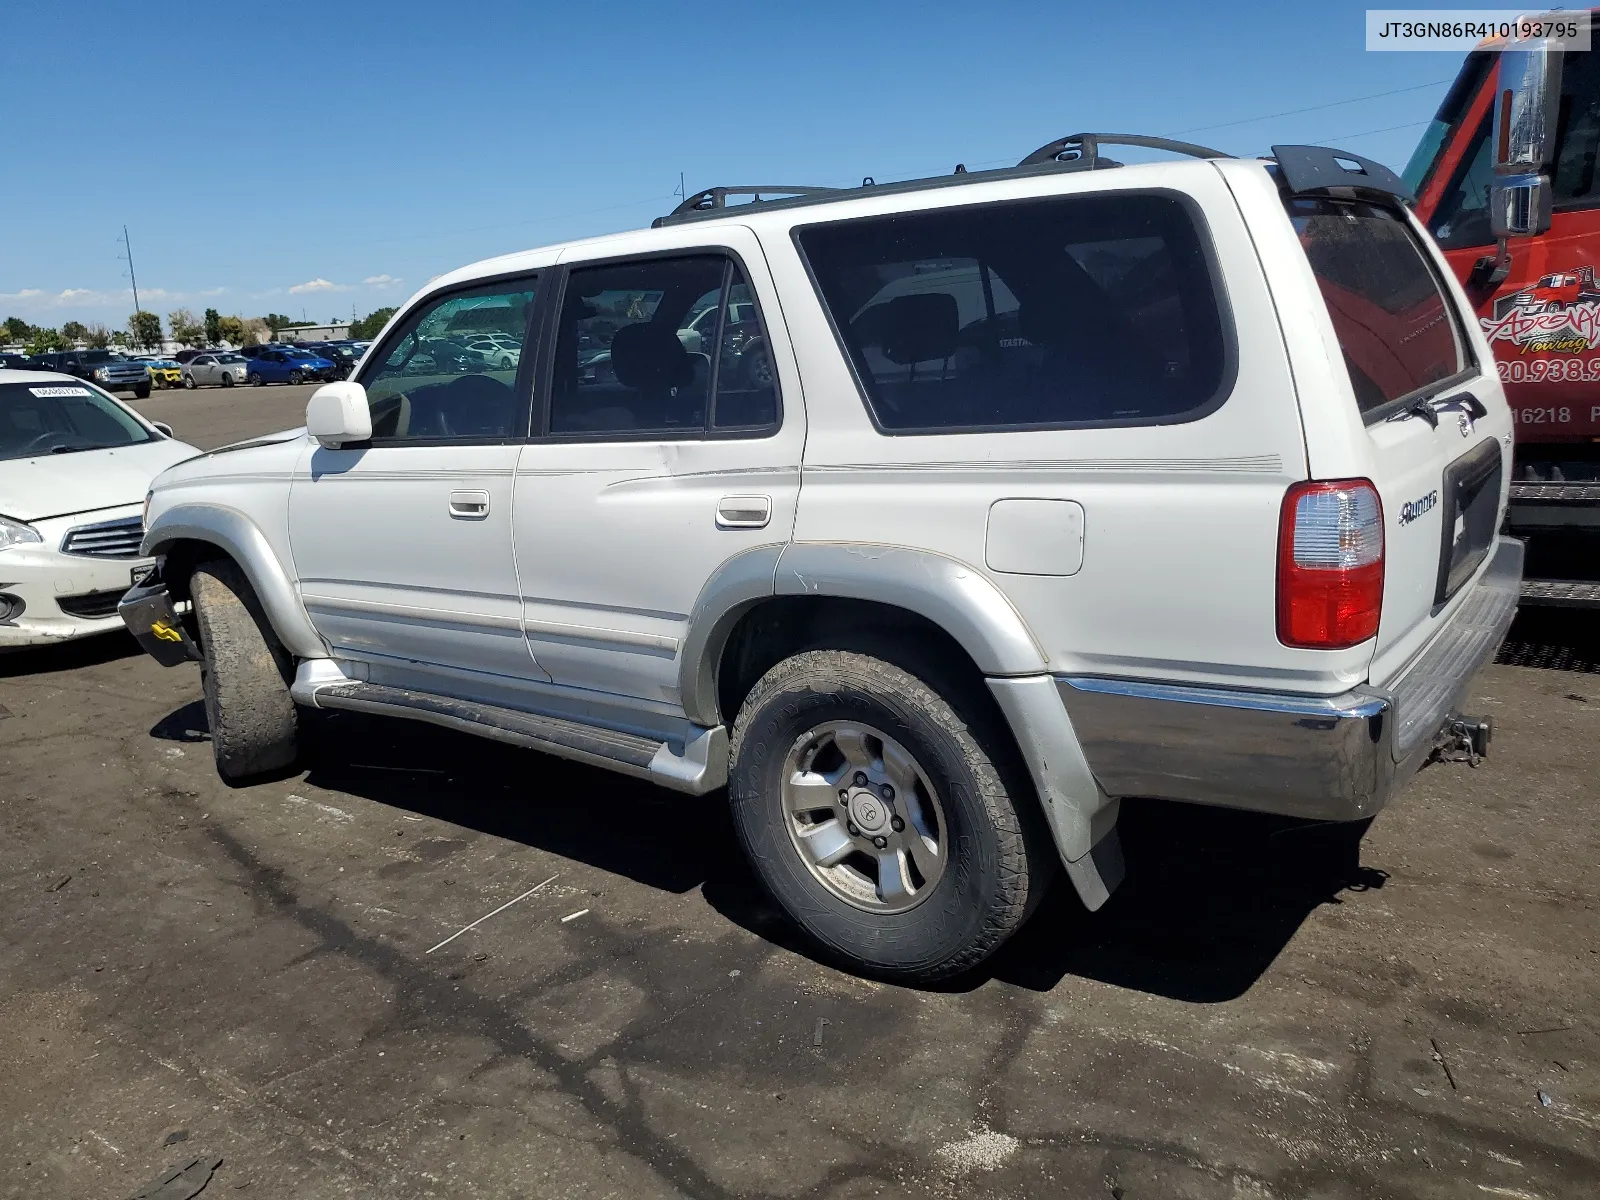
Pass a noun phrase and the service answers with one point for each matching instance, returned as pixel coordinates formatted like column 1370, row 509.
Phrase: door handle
column 471, row 506
column 744, row 512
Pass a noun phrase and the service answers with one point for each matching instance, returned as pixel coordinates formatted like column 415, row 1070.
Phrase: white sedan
column 75, row 465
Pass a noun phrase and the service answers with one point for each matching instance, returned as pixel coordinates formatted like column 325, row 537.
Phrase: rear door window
column 1035, row 314
column 1399, row 332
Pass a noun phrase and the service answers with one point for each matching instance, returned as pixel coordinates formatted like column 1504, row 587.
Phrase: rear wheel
column 188, row 382
column 880, row 814
column 255, row 379
column 245, row 676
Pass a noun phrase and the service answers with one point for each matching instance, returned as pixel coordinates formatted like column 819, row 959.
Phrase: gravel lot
column 1265, row 1010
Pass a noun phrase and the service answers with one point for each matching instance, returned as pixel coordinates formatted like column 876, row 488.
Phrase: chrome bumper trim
column 1337, row 758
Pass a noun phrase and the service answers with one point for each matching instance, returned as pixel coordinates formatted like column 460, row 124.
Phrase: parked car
column 502, row 353
column 287, row 366
column 1092, row 508
column 215, row 367
column 343, row 355
column 164, row 372
column 111, row 371
column 184, row 356
column 75, row 464
column 13, row 362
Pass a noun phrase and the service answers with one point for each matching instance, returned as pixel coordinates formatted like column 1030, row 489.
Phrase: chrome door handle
column 744, row 512
column 471, row 506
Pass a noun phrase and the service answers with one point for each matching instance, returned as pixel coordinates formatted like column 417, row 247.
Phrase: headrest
column 918, row 328
column 650, row 357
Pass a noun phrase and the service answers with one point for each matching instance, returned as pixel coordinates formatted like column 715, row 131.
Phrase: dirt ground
column 1266, row 1009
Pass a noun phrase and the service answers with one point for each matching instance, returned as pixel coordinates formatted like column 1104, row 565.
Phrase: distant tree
column 277, row 321
column 75, row 331
column 256, row 331
column 213, row 323
column 144, row 331
column 184, row 328
column 372, row 324
column 45, row 340
column 17, row 330
column 229, row 329
column 98, row 336
column 118, row 338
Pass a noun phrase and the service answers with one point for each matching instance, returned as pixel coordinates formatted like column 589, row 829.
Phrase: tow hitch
column 1463, row 739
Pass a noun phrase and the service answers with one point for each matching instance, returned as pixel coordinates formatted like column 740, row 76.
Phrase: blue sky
column 264, row 161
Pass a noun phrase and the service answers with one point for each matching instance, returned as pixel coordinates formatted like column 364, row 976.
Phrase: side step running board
column 702, row 767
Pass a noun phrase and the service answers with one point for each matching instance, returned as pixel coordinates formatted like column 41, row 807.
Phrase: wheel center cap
column 869, row 812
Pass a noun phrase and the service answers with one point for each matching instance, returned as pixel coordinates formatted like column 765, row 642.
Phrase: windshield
column 51, row 418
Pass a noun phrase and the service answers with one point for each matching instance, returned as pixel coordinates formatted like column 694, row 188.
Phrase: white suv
column 1058, row 484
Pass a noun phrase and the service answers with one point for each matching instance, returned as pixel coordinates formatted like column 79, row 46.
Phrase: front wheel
column 245, row 677
column 141, row 391
column 227, row 379
column 884, row 815
column 295, row 377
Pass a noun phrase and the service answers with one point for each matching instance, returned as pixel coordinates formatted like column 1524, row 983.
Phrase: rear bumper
column 1336, row 758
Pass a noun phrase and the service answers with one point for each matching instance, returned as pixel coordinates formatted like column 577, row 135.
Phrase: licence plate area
column 1471, row 500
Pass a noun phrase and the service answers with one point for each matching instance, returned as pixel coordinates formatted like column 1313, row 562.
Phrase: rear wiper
column 1429, row 410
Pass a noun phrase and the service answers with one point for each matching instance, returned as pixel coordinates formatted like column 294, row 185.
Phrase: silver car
column 216, row 367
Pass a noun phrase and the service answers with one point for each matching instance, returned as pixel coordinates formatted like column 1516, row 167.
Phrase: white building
column 335, row 332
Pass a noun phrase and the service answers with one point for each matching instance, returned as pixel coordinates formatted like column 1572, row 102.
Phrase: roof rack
column 1083, row 149
column 717, row 197
column 1321, row 171
column 1079, row 152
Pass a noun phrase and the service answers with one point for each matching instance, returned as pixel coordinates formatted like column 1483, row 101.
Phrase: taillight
column 1330, row 564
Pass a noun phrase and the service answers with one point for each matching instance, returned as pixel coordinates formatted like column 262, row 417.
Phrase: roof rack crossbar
column 1323, row 171
column 717, row 197
column 1084, row 148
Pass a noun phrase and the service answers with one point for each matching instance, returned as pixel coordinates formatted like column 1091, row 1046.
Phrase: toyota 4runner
column 1057, row 484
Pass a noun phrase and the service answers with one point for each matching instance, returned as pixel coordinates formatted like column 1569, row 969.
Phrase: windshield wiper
column 75, row 449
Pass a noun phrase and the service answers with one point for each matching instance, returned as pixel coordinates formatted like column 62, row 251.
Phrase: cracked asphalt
column 1266, row 1009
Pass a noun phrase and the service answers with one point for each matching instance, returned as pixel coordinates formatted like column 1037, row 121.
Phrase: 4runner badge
column 1413, row 509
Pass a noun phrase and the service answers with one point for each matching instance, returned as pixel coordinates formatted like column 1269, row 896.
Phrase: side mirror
column 163, row 428
column 338, row 414
column 1519, row 205
column 1526, row 109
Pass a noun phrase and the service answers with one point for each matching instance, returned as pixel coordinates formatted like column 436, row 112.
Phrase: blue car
column 288, row 366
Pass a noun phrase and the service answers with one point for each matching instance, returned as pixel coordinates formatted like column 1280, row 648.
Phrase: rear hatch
column 1429, row 401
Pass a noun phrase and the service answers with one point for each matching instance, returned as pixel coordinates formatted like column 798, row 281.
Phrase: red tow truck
column 1507, row 179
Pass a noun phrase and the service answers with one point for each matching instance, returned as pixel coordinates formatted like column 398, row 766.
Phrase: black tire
column 506, row 364
column 188, row 382
column 141, row 391
column 246, row 674
column 296, row 377
column 756, row 366
column 999, row 857
column 227, row 379
column 255, row 379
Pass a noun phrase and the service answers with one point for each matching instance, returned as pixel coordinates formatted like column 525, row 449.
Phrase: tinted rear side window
column 1084, row 310
column 1395, row 324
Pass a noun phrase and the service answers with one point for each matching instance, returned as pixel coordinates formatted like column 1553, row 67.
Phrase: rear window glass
column 1395, row 324
column 1085, row 310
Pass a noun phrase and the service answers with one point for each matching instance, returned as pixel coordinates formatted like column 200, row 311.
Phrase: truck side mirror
column 337, row 414
column 1519, row 205
column 1526, row 109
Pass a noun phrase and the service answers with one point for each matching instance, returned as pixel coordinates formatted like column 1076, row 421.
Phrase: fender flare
column 230, row 531
column 958, row 598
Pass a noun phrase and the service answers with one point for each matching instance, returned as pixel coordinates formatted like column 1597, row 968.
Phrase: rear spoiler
column 1320, row 171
